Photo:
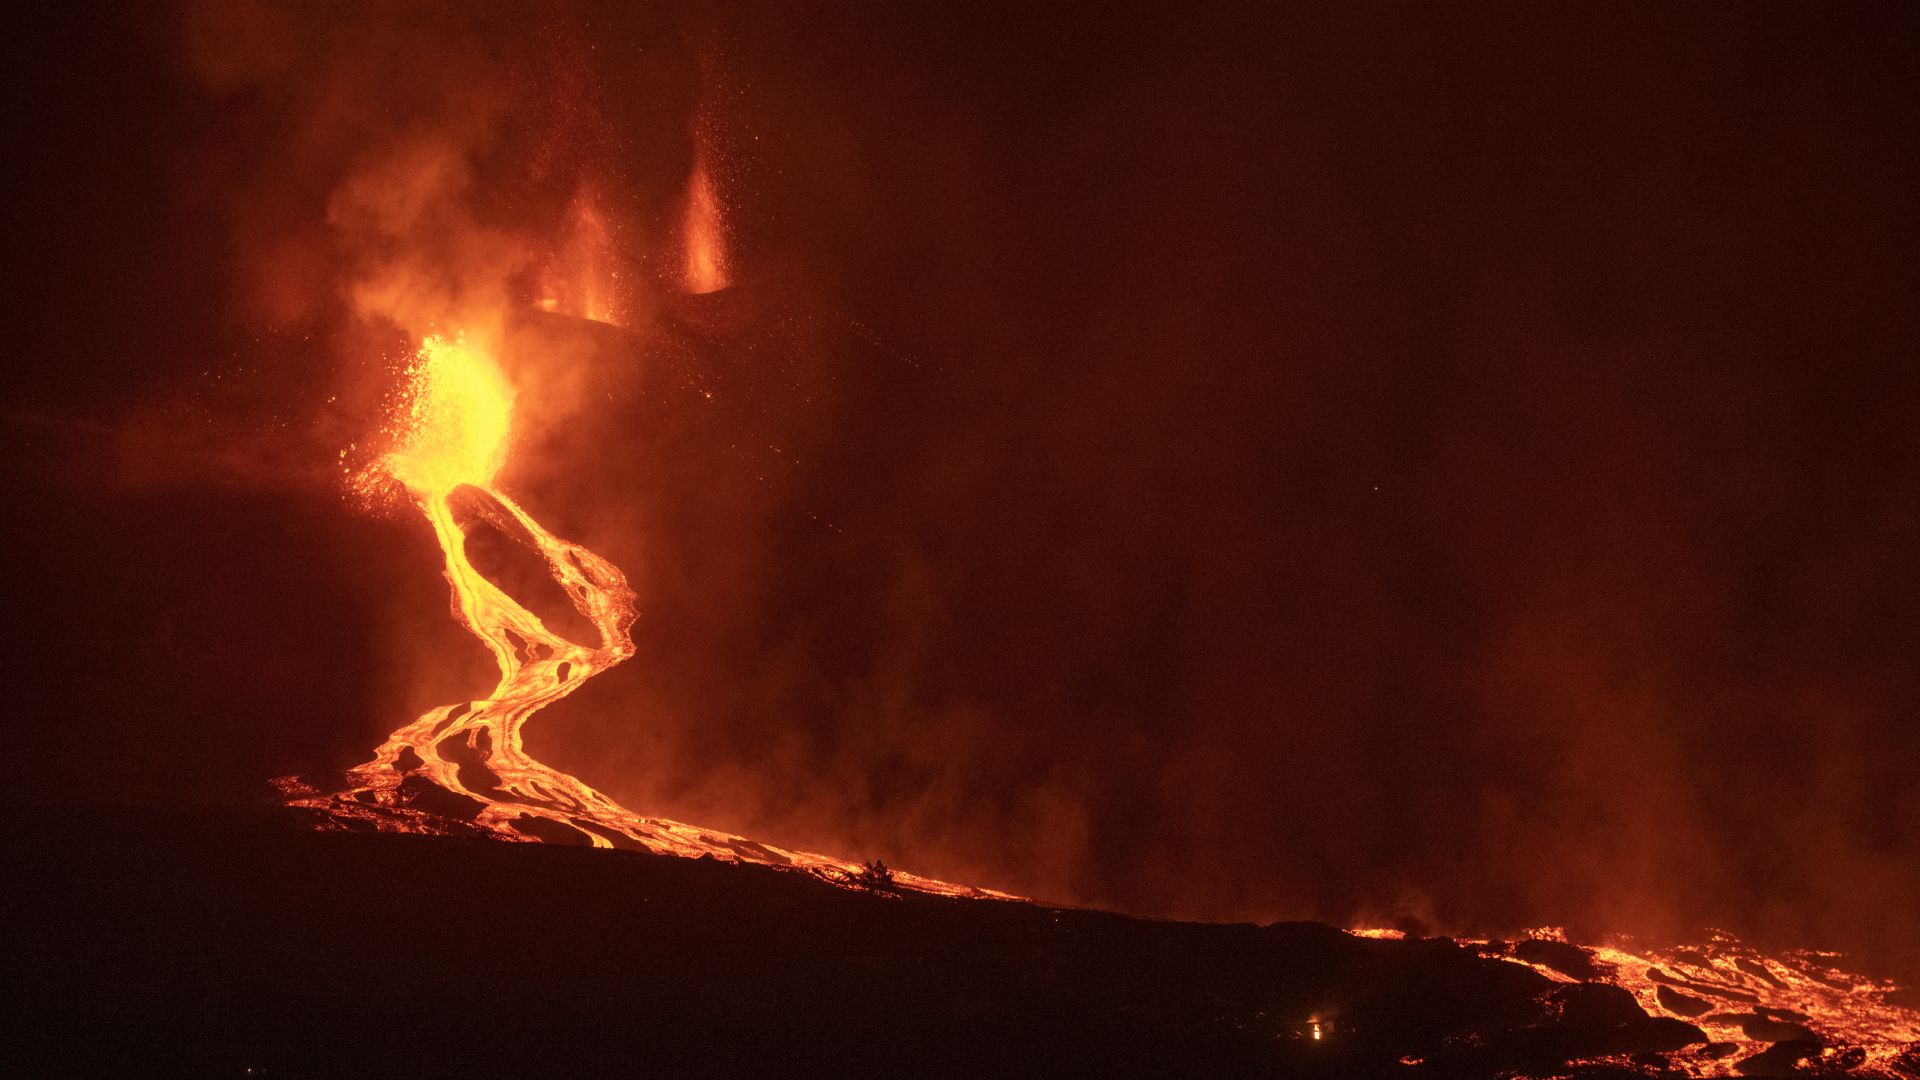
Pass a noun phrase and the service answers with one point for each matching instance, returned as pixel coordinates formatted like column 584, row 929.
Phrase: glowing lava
column 466, row 760
column 1747, row 1002
column 457, row 411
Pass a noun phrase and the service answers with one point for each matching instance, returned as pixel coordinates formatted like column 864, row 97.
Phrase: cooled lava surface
column 247, row 943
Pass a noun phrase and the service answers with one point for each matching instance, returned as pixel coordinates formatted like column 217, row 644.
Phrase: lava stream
column 468, row 755
column 1744, row 1001
column 537, row 668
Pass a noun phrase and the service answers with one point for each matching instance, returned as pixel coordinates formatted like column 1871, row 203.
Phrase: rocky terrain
column 245, row 943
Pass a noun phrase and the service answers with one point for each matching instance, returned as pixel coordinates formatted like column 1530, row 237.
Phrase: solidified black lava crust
column 204, row 944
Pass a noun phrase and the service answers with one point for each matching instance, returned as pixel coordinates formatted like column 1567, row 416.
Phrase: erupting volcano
column 466, row 759
column 460, row 768
column 1235, row 477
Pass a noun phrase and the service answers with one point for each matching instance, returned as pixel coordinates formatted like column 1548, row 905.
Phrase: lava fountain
column 703, row 229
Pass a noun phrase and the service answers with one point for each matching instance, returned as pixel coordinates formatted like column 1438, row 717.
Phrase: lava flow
column 1747, row 1002
column 466, row 760
column 1758, row 1013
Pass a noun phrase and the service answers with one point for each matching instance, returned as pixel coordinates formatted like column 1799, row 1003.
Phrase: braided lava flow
column 450, row 443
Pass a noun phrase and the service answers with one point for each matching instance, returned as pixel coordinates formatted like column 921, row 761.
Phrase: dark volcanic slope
column 241, row 944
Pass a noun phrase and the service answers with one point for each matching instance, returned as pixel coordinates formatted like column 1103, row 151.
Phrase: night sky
column 1349, row 463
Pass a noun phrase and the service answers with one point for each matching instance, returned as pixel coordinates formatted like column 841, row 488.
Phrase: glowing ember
column 467, row 757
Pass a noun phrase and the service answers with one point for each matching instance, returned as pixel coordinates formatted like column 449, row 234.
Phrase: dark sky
column 1342, row 463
